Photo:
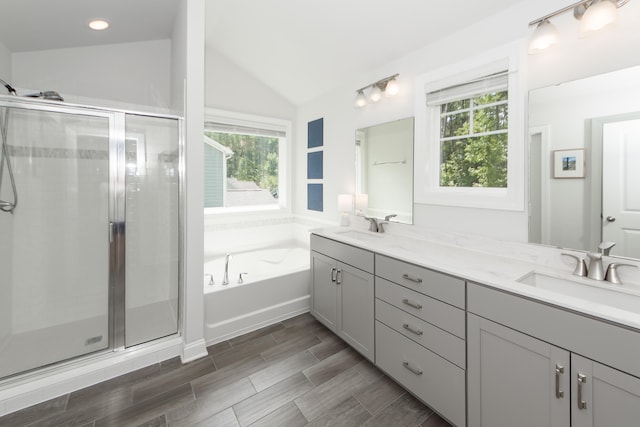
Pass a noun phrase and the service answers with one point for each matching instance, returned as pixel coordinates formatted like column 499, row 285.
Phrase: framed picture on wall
column 568, row 163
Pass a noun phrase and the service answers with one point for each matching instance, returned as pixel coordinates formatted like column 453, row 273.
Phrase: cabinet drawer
column 435, row 339
column 442, row 315
column 439, row 383
column 351, row 255
column 437, row 285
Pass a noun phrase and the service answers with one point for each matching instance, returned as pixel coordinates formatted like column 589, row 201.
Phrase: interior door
column 620, row 188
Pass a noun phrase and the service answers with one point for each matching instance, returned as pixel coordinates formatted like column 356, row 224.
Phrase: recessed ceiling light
column 98, row 24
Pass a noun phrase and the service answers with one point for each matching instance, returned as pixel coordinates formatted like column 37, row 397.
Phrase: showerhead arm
column 11, row 90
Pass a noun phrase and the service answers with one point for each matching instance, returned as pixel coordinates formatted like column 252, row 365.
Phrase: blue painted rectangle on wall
column 314, row 197
column 314, row 165
column 315, row 133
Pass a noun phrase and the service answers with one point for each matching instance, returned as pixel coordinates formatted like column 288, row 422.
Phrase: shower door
column 55, row 262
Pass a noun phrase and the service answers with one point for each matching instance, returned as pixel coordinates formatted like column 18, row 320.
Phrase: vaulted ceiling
column 299, row 48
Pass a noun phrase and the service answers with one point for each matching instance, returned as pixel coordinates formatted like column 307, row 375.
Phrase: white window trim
column 284, row 158
column 427, row 150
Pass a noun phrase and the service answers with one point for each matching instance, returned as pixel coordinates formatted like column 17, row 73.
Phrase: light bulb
column 99, row 24
column 392, row 88
column 376, row 94
column 600, row 14
column 361, row 100
column 545, row 36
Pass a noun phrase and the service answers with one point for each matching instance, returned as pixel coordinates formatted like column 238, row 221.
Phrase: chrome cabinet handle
column 411, row 278
column 410, row 329
column 334, row 274
column 582, row 380
column 416, row 371
column 339, row 277
column 412, row 304
column 559, row 372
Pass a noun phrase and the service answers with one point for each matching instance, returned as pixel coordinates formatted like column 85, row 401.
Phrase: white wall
column 592, row 55
column 133, row 73
column 230, row 88
column 5, row 66
column 189, row 35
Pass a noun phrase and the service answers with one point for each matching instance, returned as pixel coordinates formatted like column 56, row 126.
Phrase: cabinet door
column 514, row 379
column 602, row 396
column 356, row 302
column 324, row 298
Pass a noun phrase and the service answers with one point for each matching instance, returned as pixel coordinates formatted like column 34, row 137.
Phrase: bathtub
column 275, row 287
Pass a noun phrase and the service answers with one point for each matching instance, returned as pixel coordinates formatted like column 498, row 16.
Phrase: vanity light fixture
column 99, row 24
column 386, row 87
column 593, row 15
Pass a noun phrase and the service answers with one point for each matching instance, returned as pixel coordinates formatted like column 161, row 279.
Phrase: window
column 469, row 134
column 243, row 166
column 473, row 132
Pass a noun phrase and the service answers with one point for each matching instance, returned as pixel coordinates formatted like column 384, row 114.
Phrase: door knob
column 611, row 219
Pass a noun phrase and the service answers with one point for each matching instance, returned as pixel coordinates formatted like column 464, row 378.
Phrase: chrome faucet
column 225, row 279
column 596, row 271
column 375, row 225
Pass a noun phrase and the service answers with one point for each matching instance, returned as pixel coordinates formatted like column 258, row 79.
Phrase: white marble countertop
column 493, row 263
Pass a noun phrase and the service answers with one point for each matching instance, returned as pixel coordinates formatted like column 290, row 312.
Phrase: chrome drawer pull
column 559, row 372
column 582, row 380
column 412, row 304
column 412, row 369
column 410, row 329
column 334, row 274
column 412, row 279
column 339, row 277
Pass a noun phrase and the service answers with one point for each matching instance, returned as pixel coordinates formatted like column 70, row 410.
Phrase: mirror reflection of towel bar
column 398, row 162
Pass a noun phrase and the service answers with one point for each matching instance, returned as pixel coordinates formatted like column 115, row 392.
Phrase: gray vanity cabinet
column 514, row 379
column 602, row 396
column 420, row 334
column 342, row 292
column 517, row 376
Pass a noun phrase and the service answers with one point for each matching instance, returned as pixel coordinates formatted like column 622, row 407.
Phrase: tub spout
column 225, row 279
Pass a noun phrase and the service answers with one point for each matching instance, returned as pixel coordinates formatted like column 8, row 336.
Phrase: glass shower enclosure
column 89, row 231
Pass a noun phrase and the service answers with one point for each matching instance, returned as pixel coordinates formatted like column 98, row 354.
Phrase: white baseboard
column 221, row 331
column 194, row 351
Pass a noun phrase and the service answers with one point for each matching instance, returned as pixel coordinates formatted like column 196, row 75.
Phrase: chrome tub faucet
column 225, row 279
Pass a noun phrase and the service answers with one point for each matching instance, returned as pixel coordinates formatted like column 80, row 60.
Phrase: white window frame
column 284, row 157
column 427, row 134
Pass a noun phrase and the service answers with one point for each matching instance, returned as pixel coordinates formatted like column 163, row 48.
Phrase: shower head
column 49, row 94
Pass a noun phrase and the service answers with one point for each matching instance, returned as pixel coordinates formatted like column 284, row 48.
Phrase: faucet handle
column 381, row 226
column 605, row 247
column 388, row 217
column 612, row 272
column 581, row 265
column 240, row 279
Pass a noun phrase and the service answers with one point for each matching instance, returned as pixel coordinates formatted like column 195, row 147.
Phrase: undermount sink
column 363, row 236
column 597, row 292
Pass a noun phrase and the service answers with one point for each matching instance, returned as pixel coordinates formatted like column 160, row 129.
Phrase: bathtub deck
column 278, row 375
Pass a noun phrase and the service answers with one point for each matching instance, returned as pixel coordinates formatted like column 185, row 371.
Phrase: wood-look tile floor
column 293, row 373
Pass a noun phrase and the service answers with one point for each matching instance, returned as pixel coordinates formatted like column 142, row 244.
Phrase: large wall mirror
column 585, row 163
column 384, row 169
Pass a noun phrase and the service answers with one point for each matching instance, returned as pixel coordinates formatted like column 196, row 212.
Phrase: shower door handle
column 111, row 231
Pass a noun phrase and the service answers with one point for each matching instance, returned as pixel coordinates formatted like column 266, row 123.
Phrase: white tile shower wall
column 152, row 215
column 6, row 269
column 60, row 244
